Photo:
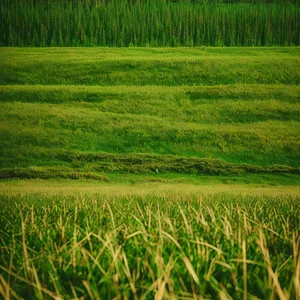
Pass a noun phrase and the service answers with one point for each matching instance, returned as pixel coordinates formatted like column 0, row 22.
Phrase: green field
column 205, row 111
column 142, row 173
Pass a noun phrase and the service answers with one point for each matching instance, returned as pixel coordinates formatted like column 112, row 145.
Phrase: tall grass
column 140, row 247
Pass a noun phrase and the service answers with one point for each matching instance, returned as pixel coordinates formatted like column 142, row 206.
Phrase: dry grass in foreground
column 166, row 246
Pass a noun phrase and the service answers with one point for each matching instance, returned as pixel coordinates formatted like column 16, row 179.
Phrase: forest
column 152, row 23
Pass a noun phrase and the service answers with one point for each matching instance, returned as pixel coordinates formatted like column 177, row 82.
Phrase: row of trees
column 147, row 23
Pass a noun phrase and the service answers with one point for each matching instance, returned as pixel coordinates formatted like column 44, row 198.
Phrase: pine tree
column 153, row 22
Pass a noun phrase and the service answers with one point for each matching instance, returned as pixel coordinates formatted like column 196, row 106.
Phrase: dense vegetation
column 149, row 23
column 162, row 247
column 53, row 126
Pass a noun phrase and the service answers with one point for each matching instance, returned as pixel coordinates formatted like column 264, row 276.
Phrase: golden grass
column 54, row 187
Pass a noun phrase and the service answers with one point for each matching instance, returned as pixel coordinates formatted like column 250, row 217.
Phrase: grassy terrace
column 182, row 110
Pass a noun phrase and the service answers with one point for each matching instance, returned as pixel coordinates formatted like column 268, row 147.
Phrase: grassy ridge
column 253, row 132
column 141, row 247
column 63, row 94
column 171, row 67
column 88, row 165
column 29, row 129
column 234, row 128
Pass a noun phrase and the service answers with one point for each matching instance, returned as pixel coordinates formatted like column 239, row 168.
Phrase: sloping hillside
column 93, row 112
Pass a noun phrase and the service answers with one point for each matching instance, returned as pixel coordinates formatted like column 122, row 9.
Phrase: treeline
column 156, row 23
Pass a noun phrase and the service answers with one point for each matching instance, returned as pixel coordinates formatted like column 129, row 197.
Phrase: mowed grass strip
column 128, row 184
column 146, row 246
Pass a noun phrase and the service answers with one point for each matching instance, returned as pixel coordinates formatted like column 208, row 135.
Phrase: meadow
column 149, row 173
column 192, row 111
